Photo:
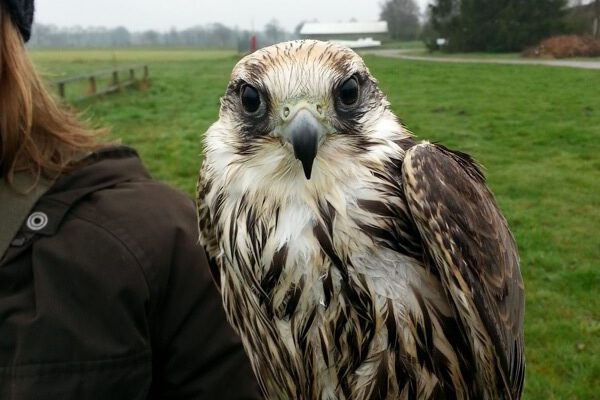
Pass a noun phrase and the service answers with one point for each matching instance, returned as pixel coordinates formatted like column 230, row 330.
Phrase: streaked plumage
column 383, row 269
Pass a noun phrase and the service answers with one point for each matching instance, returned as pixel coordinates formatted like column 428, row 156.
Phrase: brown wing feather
column 475, row 254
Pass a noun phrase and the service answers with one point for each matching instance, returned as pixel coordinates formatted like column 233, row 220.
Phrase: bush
column 566, row 46
column 496, row 25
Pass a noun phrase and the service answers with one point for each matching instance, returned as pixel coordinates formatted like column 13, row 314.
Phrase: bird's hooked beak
column 303, row 128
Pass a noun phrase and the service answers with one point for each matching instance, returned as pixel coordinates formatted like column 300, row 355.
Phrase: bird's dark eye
column 250, row 98
column 348, row 92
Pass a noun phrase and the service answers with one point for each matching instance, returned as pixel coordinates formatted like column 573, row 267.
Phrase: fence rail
column 116, row 79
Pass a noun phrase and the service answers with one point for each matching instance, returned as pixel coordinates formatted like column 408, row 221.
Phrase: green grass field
column 536, row 130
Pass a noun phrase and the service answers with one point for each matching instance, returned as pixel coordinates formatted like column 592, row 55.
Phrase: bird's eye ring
column 250, row 98
column 348, row 91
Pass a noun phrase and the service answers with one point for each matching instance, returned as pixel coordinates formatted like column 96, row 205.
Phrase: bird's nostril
column 286, row 112
column 319, row 109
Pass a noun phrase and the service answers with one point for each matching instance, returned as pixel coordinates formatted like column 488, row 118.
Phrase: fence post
column 114, row 84
column 93, row 85
column 115, row 79
column 61, row 89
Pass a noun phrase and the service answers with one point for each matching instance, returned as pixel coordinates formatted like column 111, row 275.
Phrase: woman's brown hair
column 36, row 134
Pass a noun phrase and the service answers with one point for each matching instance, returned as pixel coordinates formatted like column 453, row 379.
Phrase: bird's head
column 294, row 103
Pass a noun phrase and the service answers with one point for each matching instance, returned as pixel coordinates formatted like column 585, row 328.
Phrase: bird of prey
column 354, row 261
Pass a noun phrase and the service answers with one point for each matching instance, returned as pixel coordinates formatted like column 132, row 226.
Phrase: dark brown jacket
column 111, row 298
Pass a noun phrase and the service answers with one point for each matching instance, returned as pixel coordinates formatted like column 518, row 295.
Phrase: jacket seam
column 61, row 367
column 126, row 245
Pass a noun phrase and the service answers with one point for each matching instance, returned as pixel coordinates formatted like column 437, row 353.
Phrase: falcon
column 354, row 261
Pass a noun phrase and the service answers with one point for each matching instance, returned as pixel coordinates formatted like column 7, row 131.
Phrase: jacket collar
column 16, row 204
column 100, row 170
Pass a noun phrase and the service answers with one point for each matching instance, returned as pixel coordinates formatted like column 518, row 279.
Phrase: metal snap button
column 37, row 221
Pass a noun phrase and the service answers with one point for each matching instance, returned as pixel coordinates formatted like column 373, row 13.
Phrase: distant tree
column 584, row 18
column 298, row 28
column 496, row 25
column 274, row 32
column 429, row 35
column 171, row 38
column 225, row 37
column 150, row 38
column 120, row 37
column 444, row 20
column 579, row 18
column 402, row 17
column 195, row 36
column 207, row 36
column 596, row 26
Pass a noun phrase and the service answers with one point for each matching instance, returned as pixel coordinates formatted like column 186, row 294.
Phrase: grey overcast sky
column 164, row 14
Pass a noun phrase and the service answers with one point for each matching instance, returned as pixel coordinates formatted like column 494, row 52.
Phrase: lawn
column 415, row 45
column 536, row 130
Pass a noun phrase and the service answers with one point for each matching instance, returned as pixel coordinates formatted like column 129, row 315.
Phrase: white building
column 352, row 34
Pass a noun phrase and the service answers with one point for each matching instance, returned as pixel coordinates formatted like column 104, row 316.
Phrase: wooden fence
column 103, row 82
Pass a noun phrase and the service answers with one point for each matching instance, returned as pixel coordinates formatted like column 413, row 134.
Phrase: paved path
column 406, row 55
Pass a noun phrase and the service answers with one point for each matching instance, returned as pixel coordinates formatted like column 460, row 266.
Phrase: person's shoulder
column 155, row 223
column 147, row 216
column 146, row 200
column 118, row 189
column 152, row 213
